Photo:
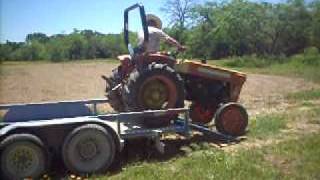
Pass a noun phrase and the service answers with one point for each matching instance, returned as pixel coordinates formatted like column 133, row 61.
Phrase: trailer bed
column 53, row 126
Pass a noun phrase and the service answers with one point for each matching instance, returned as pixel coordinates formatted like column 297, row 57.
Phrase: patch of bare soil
column 280, row 163
column 52, row 82
column 263, row 94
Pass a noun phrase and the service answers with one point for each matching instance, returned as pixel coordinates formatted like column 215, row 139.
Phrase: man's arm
column 174, row 42
column 170, row 40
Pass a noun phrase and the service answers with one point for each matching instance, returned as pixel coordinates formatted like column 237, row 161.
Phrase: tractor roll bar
column 143, row 21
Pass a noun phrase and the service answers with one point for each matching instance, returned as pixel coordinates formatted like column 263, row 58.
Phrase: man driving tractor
column 149, row 80
column 155, row 35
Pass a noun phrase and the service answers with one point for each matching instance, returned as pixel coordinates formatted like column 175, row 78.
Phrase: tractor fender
column 159, row 58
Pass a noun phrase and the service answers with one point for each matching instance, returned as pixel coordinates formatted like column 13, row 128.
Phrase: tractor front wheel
column 231, row 119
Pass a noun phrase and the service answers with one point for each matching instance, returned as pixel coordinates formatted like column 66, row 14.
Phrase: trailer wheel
column 22, row 156
column 231, row 119
column 88, row 149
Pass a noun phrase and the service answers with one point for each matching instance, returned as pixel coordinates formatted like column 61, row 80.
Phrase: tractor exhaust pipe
column 108, row 82
column 104, row 77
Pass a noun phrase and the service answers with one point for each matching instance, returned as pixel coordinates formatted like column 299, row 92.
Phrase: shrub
column 311, row 51
column 253, row 61
column 310, row 57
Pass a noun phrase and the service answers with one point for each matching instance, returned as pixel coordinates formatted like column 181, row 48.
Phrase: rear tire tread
column 136, row 79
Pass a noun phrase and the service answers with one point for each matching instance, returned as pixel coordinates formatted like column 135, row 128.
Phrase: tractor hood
column 210, row 72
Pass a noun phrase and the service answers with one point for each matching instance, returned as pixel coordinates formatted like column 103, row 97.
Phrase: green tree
column 179, row 14
column 315, row 25
column 57, row 50
column 76, row 46
column 40, row 37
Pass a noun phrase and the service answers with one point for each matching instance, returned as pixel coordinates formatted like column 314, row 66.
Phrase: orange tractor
column 145, row 81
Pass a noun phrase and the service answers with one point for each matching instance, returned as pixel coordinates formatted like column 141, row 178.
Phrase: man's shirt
column 155, row 35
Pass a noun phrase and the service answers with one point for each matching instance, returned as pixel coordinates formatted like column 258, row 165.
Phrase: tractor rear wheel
column 231, row 119
column 155, row 87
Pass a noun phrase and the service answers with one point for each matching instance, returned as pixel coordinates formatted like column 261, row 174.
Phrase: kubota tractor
column 145, row 81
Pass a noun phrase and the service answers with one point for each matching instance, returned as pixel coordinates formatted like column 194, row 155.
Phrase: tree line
column 240, row 27
column 86, row 44
column 212, row 30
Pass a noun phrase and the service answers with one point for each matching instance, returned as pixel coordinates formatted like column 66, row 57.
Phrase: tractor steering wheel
column 175, row 54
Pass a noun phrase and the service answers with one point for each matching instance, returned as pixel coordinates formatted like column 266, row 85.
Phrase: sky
column 21, row 17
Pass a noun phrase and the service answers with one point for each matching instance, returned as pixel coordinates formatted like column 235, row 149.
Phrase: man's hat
column 156, row 19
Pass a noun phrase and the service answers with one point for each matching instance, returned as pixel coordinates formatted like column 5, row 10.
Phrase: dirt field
column 40, row 82
column 25, row 83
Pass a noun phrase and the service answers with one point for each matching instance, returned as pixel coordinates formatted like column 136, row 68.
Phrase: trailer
column 33, row 136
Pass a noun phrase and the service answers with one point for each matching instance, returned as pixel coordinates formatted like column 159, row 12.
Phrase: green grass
column 305, row 95
column 298, row 159
column 304, row 65
column 247, row 62
column 314, row 114
column 310, row 73
column 204, row 164
column 265, row 126
column 294, row 159
column 306, row 99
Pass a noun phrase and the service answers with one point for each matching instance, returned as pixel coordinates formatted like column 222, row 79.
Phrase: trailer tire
column 88, row 149
column 231, row 119
column 22, row 156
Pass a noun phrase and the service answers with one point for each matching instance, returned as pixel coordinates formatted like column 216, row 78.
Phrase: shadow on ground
column 142, row 150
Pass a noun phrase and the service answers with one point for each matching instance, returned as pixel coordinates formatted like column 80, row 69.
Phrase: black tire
column 114, row 97
column 88, row 149
column 234, row 124
column 154, row 72
column 22, row 156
